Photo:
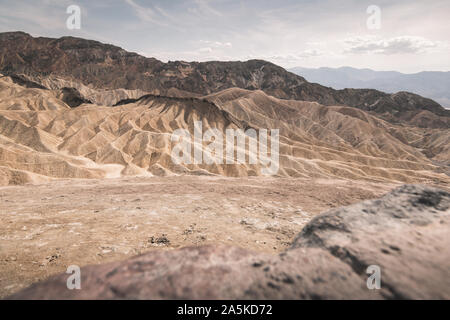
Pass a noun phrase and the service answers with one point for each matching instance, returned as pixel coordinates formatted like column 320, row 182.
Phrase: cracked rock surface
column 406, row 233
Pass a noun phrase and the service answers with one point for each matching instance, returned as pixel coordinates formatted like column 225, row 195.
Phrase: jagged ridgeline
column 104, row 66
column 75, row 108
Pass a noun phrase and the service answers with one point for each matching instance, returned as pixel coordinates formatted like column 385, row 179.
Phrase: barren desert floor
column 45, row 228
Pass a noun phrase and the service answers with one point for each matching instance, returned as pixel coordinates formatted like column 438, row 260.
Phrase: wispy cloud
column 204, row 8
column 146, row 14
column 26, row 13
column 216, row 44
column 414, row 34
column 395, row 45
column 311, row 53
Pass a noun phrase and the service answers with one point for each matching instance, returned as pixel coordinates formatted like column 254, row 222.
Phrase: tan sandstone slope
column 42, row 137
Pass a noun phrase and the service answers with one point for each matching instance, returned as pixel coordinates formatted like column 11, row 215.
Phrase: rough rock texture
column 406, row 233
column 109, row 67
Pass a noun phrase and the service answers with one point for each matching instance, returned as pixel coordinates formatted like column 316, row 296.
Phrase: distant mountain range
column 431, row 84
column 76, row 108
column 75, row 62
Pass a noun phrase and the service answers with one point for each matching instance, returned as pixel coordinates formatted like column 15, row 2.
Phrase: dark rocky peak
column 105, row 66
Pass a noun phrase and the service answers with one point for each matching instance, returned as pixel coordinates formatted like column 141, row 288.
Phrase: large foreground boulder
column 406, row 234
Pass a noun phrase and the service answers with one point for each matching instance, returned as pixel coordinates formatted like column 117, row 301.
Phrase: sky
column 402, row 35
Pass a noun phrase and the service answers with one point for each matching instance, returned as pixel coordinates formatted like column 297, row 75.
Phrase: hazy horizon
column 385, row 70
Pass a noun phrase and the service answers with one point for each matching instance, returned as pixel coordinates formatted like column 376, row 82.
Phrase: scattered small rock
column 162, row 240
